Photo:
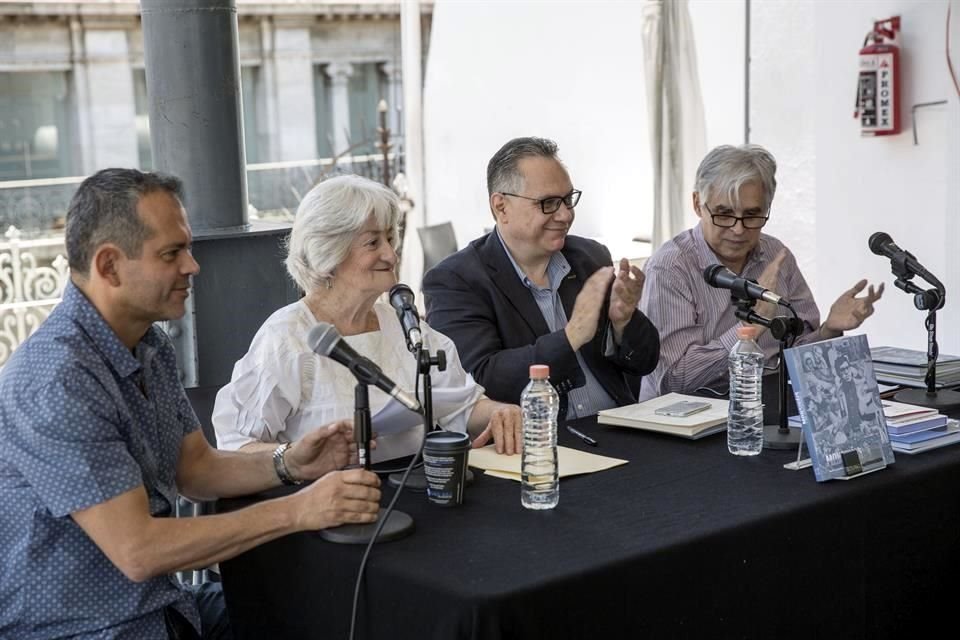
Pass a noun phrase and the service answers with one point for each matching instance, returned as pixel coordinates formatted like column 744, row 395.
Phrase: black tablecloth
column 685, row 540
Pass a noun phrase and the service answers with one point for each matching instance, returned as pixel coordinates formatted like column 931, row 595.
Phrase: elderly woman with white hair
column 342, row 253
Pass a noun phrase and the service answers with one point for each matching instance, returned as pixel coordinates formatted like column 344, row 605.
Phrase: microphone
column 325, row 340
column 401, row 299
column 717, row 275
column 883, row 245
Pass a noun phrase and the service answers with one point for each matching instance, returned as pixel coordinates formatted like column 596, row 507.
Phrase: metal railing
column 39, row 207
column 33, row 273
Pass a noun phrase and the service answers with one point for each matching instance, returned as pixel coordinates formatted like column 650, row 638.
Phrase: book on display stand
column 844, row 427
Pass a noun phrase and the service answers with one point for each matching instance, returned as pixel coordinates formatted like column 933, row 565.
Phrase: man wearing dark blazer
column 529, row 293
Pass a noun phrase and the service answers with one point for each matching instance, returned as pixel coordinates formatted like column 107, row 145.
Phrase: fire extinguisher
column 878, row 86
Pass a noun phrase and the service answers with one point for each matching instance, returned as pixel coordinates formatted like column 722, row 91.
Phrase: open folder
column 571, row 462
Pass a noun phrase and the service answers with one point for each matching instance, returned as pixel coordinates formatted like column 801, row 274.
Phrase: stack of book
column 909, row 368
column 914, row 429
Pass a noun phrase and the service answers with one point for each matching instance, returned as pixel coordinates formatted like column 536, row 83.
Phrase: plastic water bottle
column 540, row 485
column 745, row 420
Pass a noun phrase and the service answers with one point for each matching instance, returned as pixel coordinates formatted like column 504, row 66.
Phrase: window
column 322, row 92
column 253, row 137
column 142, row 119
column 35, row 131
column 367, row 87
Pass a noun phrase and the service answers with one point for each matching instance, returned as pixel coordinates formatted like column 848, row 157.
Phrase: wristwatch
column 281, row 467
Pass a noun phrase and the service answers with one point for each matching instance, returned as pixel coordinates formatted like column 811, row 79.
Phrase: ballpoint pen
column 587, row 439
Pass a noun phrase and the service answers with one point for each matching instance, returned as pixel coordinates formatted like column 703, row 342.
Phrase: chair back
column 438, row 241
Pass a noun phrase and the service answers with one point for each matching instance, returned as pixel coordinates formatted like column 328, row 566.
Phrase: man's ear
column 498, row 206
column 106, row 264
column 696, row 204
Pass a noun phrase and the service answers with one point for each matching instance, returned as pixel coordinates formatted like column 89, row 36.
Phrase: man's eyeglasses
column 727, row 221
column 552, row 204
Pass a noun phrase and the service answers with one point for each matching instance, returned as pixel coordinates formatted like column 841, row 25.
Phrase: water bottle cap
column 539, row 371
column 747, row 333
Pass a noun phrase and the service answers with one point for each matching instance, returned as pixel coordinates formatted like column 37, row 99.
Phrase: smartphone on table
column 682, row 409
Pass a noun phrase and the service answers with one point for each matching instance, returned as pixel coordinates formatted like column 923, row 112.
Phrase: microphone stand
column 417, row 480
column 775, row 436
column 398, row 524
column 929, row 300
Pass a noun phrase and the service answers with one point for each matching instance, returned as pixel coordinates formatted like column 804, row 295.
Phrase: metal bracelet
column 280, row 465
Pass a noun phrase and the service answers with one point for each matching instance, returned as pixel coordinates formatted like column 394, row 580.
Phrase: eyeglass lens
column 749, row 222
column 551, row 205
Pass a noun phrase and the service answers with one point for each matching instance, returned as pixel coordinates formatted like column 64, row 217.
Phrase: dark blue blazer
column 475, row 297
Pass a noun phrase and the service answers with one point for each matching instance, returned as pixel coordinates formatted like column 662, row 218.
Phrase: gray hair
column 502, row 172
column 328, row 219
column 727, row 168
column 104, row 210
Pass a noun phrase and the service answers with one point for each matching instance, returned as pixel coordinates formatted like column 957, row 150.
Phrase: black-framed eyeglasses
column 728, row 221
column 552, row 204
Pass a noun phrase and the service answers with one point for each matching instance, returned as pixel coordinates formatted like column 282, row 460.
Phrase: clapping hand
column 849, row 311
column 768, row 280
column 583, row 322
column 625, row 295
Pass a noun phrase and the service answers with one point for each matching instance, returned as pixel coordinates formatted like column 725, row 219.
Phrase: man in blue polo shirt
column 97, row 439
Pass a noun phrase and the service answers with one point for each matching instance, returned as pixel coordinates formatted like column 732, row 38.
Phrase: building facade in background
column 73, row 100
column 73, row 95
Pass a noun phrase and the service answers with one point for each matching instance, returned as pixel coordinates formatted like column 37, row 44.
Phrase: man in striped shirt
column 733, row 193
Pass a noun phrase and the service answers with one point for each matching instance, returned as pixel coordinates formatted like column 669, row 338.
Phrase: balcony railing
column 39, row 207
column 33, row 273
column 33, row 266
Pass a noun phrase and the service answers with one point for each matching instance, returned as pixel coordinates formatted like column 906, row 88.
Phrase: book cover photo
column 843, row 422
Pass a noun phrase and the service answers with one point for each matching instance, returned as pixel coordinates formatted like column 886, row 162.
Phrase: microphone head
column 711, row 272
column 878, row 241
column 322, row 338
column 401, row 296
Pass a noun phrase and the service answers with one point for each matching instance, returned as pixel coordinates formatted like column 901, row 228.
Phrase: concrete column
column 268, row 87
column 296, row 127
column 105, row 103
column 339, row 73
column 83, row 152
column 193, row 78
column 196, row 128
column 394, row 75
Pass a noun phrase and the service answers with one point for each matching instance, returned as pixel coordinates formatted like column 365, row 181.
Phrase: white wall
column 571, row 71
column 837, row 188
column 783, row 87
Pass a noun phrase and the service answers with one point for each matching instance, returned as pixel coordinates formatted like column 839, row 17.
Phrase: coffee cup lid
column 447, row 440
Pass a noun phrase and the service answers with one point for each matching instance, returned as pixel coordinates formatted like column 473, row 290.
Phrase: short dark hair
column 840, row 361
column 104, row 209
column 502, row 172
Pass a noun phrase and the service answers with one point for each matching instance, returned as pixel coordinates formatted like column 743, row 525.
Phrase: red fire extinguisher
column 878, row 87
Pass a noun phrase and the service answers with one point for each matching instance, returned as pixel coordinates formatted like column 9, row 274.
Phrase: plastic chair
column 438, row 241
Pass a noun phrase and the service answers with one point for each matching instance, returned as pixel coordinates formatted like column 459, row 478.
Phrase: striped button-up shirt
column 696, row 321
column 591, row 397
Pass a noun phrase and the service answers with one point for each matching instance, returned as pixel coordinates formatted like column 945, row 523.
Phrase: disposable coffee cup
column 445, row 465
